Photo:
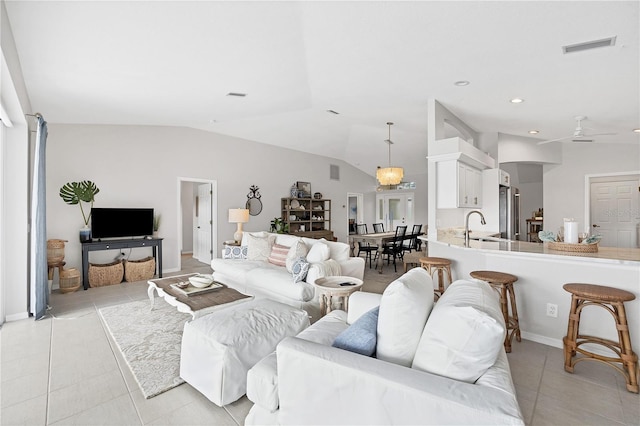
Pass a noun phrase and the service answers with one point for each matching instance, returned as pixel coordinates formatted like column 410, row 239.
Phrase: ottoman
column 218, row 349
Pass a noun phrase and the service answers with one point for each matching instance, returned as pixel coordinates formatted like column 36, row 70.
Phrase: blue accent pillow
column 299, row 269
column 361, row 336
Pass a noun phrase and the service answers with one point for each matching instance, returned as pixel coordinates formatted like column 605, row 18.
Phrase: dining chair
column 378, row 227
column 412, row 243
column 367, row 248
column 394, row 248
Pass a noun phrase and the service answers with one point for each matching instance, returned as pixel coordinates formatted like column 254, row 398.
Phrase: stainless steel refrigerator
column 509, row 213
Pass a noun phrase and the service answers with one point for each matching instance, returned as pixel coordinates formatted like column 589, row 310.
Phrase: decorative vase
column 317, row 196
column 294, row 191
column 85, row 234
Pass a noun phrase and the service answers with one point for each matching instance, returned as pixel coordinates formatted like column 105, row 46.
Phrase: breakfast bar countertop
column 612, row 255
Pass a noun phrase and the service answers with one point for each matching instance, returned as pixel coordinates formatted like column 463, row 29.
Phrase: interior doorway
column 355, row 213
column 197, row 219
column 614, row 209
column 394, row 209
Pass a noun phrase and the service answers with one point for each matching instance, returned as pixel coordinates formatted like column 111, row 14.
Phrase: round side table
column 329, row 287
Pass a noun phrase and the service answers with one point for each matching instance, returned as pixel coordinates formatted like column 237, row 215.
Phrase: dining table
column 377, row 239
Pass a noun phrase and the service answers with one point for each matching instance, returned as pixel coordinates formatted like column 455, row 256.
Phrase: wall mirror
column 254, row 205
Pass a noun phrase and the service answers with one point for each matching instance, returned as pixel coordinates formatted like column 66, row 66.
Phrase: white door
column 394, row 209
column 356, row 213
column 203, row 222
column 615, row 211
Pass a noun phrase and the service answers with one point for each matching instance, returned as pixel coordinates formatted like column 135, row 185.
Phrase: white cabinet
column 458, row 185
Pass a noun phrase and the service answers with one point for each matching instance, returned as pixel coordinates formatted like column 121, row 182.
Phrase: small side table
column 329, row 287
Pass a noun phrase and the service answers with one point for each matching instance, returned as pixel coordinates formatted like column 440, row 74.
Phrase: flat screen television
column 120, row 222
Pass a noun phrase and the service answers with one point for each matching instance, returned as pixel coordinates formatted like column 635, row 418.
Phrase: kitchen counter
column 541, row 274
column 612, row 255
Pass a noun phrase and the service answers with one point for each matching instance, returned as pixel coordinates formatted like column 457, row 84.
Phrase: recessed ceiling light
column 237, row 94
column 333, row 112
column 461, row 83
column 516, row 100
column 637, row 130
column 533, row 132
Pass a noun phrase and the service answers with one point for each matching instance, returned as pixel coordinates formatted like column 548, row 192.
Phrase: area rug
column 149, row 341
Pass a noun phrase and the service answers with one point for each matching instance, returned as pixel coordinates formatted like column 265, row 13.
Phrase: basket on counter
column 575, row 248
column 105, row 274
column 138, row 270
column 69, row 280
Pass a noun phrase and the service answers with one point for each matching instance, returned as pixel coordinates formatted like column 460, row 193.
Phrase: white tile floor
column 64, row 370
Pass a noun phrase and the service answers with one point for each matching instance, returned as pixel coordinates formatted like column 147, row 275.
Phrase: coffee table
column 329, row 287
column 196, row 305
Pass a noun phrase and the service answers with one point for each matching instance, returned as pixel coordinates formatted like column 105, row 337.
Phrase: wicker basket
column 139, row 270
column 55, row 251
column 105, row 274
column 575, row 248
column 69, row 280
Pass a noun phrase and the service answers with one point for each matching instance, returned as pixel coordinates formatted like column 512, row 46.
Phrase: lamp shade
column 390, row 175
column 238, row 215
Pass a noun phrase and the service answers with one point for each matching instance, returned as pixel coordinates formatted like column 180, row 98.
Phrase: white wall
column 563, row 185
column 139, row 166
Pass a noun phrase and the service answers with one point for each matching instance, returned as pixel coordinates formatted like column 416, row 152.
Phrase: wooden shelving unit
column 533, row 227
column 307, row 217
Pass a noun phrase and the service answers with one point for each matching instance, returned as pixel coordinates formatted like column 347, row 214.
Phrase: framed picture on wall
column 304, row 189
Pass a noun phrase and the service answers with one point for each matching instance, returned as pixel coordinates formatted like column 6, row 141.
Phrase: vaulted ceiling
column 173, row 63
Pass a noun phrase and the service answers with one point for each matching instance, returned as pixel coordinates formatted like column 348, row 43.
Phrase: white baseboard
column 556, row 343
column 17, row 317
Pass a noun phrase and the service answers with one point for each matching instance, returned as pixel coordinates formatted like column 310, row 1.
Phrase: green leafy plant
column 79, row 192
column 279, row 226
column 156, row 222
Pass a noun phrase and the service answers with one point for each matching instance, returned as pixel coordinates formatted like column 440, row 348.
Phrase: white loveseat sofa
column 263, row 279
column 449, row 368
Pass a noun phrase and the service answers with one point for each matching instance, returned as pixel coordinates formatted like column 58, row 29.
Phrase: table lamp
column 238, row 216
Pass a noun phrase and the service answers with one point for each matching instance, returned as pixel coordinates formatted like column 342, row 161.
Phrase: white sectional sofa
column 249, row 271
column 440, row 366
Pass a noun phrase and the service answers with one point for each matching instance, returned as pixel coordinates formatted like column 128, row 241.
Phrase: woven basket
column 105, row 274
column 69, row 280
column 575, row 248
column 55, row 251
column 139, row 270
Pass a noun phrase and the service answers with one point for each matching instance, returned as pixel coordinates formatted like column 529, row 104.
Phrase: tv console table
column 96, row 245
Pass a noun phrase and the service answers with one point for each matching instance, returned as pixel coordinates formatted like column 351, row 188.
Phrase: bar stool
column 503, row 283
column 611, row 299
column 438, row 265
column 51, row 267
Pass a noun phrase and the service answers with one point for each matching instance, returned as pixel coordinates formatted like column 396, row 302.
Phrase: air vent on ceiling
column 237, row 94
column 605, row 42
column 333, row 112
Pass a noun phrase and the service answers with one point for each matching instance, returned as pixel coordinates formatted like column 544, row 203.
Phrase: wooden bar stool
column 611, row 299
column 440, row 266
column 51, row 267
column 503, row 283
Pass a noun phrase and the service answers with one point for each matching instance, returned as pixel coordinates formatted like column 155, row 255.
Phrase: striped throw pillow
column 278, row 255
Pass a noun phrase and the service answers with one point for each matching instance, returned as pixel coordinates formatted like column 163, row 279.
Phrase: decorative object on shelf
column 389, row 175
column 77, row 193
column 278, row 225
column 156, row 224
column 304, row 189
column 294, row 191
column 295, row 204
column 238, row 216
column 317, row 195
column 254, row 204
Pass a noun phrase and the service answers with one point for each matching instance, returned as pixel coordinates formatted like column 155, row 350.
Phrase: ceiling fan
column 578, row 134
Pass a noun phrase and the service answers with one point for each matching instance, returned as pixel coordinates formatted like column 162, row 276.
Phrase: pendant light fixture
column 389, row 175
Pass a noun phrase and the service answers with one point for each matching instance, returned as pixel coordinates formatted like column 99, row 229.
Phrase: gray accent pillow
column 360, row 337
column 234, row 252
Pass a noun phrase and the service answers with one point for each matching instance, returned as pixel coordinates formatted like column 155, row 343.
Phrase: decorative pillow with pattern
column 298, row 249
column 278, row 255
column 299, row 269
column 234, row 252
column 259, row 247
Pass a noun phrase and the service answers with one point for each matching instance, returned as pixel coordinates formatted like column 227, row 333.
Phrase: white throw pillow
column 298, row 249
column 404, row 308
column 319, row 253
column 464, row 334
column 258, row 247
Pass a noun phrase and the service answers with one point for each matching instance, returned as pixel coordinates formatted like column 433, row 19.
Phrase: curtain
column 39, row 286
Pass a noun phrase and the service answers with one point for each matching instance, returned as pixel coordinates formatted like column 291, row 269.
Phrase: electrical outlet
column 552, row 310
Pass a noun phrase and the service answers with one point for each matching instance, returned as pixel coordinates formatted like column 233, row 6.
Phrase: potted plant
column 77, row 193
column 279, row 226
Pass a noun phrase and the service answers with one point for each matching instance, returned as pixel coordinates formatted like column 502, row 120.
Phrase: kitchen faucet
column 466, row 225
